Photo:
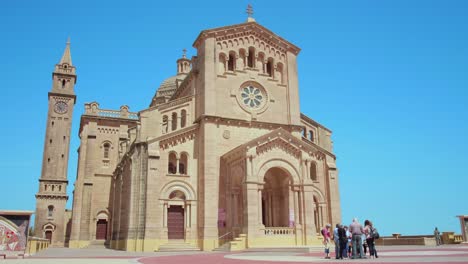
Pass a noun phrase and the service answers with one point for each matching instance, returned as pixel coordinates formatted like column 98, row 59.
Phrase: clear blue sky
column 390, row 78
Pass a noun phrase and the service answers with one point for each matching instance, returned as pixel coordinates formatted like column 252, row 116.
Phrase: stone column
column 260, row 213
column 177, row 165
column 165, row 215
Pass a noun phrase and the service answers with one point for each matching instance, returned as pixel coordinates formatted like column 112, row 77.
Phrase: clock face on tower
column 61, row 107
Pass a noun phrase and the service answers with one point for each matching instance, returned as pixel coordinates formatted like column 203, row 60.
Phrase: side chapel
column 221, row 156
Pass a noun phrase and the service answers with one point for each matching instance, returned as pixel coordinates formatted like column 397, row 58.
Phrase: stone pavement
column 388, row 254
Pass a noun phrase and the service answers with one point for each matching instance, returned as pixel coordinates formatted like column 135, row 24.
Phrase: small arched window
column 183, row 118
column 183, row 162
column 174, row 122
column 231, row 62
column 313, row 171
column 50, row 210
column 172, row 164
column 222, row 64
column 63, row 83
column 251, row 58
column 106, row 150
column 269, row 67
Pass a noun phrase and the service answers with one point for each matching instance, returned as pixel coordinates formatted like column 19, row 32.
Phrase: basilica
column 221, row 157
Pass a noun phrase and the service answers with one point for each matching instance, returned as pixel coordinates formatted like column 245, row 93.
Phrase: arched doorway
column 176, row 216
column 101, row 226
column 276, row 199
column 48, row 236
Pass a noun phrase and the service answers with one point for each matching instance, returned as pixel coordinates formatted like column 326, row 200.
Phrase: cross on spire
column 249, row 12
column 184, row 53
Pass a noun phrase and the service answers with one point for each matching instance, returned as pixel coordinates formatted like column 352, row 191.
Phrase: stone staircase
column 237, row 244
column 177, row 245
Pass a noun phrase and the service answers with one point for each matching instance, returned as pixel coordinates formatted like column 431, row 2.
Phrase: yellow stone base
column 78, row 243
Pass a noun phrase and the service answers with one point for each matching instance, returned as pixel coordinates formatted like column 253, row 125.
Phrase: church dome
column 167, row 88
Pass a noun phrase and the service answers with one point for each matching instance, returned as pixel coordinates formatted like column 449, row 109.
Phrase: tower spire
column 66, row 57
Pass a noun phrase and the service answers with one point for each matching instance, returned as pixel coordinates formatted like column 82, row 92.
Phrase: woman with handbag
column 371, row 234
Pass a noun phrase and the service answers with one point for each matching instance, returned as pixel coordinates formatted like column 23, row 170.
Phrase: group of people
column 351, row 239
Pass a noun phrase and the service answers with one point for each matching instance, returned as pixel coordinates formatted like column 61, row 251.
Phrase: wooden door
column 175, row 222
column 101, row 229
column 48, row 235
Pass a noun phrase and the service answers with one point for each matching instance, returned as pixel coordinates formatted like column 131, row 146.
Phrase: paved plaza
column 388, row 254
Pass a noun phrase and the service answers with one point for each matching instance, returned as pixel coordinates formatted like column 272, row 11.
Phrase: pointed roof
column 66, row 57
column 248, row 27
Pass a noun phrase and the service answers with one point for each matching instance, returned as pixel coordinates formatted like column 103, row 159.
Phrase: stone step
column 178, row 246
column 298, row 249
column 226, row 247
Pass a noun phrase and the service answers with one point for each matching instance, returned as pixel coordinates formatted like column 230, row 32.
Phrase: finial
column 249, row 12
column 68, row 40
column 184, row 53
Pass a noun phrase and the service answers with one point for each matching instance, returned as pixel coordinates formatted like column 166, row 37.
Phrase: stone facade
column 221, row 152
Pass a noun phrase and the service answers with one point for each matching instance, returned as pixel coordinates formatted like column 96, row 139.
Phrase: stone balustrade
column 93, row 109
column 275, row 231
column 36, row 244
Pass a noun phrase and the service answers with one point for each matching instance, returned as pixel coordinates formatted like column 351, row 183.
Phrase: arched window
column 106, row 150
column 251, row 58
column 260, row 60
column 304, row 132
column 50, row 210
column 183, row 118
column 280, row 73
column 313, row 171
column 172, row 165
column 63, row 83
column 231, row 61
column 222, row 64
column 183, row 162
column 311, row 135
column 174, row 122
column 269, row 67
column 165, row 124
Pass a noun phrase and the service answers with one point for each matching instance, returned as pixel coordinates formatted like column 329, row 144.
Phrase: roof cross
column 249, row 10
column 184, row 55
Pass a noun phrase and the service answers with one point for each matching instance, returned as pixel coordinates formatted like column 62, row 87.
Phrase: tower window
column 52, row 123
column 48, row 159
column 311, row 135
column 269, row 68
column 106, row 150
column 231, row 62
column 63, row 83
column 251, row 58
column 50, row 210
column 63, row 156
column 64, row 137
column 50, row 141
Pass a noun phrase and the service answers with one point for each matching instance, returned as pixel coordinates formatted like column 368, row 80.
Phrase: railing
column 93, row 109
column 279, row 231
column 457, row 239
column 224, row 238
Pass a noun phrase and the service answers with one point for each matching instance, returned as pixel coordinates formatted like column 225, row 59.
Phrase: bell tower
column 52, row 195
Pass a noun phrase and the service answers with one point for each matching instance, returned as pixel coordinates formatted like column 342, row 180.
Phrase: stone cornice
column 247, row 123
column 52, row 196
column 53, row 180
column 64, row 95
column 174, row 102
column 254, row 28
column 176, row 137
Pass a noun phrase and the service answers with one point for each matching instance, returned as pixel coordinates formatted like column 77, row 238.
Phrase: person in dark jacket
column 343, row 240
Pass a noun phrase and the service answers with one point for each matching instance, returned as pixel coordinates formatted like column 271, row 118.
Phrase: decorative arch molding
column 177, row 185
column 317, row 193
column 282, row 164
column 102, row 214
column 49, row 227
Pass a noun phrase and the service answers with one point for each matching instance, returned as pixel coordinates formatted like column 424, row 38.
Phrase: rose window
column 252, row 97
